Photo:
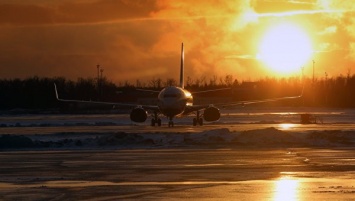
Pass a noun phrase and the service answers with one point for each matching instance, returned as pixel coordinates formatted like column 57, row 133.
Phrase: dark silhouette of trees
column 31, row 93
column 37, row 93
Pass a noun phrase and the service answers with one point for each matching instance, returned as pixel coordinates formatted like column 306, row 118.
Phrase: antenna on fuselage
column 182, row 66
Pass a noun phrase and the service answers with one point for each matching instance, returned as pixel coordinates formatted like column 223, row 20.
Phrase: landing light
column 187, row 94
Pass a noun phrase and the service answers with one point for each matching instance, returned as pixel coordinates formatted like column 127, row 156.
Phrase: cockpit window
column 171, row 95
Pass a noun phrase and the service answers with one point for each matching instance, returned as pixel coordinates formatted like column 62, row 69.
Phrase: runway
column 235, row 120
column 179, row 174
column 178, row 128
column 258, row 156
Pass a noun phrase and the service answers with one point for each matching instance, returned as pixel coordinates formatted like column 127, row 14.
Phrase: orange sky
column 141, row 39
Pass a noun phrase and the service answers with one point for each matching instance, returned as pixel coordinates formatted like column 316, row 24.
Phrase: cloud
column 74, row 12
column 277, row 6
column 245, row 56
column 302, row 12
column 142, row 39
column 326, row 47
column 351, row 54
column 329, row 30
column 127, row 38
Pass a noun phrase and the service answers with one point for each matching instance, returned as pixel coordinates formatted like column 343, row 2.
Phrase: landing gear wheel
column 200, row 121
column 194, row 122
column 156, row 121
column 153, row 122
column 171, row 124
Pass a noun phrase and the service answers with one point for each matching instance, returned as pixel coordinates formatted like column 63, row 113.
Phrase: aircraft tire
column 153, row 122
column 159, row 122
column 200, row 122
column 194, row 122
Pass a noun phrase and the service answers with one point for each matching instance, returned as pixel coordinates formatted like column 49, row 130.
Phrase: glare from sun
column 286, row 126
column 286, row 189
column 285, row 48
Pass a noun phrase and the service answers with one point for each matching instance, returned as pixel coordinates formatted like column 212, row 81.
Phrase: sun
column 285, row 48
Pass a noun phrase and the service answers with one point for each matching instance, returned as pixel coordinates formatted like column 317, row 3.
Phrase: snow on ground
column 221, row 138
column 256, row 127
column 242, row 115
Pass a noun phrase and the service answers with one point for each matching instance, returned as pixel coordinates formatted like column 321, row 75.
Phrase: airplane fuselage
column 173, row 100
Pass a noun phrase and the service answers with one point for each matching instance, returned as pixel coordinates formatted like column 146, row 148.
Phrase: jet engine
column 138, row 115
column 211, row 114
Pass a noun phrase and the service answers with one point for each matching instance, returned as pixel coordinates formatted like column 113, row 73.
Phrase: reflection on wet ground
column 205, row 172
column 179, row 174
column 177, row 128
column 286, row 188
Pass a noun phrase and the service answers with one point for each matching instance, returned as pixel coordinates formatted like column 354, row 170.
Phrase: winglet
column 56, row 92
column 182, row 66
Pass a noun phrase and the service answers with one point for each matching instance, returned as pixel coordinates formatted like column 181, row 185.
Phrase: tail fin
column 182, row 66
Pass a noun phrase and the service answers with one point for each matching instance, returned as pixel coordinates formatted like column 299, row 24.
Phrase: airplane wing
column 113, row 104
column 260, row 101
column 146, row 90
column 256, row 101
column 242, row 103
column 212, row 90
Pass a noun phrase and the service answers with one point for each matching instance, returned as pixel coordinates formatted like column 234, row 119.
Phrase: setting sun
column 285, row 48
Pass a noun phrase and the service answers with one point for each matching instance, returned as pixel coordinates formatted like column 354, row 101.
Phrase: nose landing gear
column 171, row 123
column 156, row 121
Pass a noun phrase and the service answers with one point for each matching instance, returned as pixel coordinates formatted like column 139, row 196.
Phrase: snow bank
column 269, row 137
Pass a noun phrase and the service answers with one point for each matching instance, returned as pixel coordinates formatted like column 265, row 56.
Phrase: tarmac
column 201, row 172
column 179, row 174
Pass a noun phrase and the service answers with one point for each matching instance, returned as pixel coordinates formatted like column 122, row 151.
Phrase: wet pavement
column 191, row 172
column 179, row 174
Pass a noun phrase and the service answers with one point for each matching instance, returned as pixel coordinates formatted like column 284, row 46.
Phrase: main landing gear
column 198, row 120
column 156, row 120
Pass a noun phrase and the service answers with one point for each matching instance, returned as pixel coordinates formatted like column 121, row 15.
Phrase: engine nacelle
column 211, row 114
column 138, row 115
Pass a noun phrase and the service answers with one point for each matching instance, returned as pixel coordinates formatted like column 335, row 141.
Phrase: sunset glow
column 244, row 38
column 285, row 49
column 286, row 126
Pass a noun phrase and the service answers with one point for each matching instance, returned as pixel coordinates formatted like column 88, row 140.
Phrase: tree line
column 38, row 93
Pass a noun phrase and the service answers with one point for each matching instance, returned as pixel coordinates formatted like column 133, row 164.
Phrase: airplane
column 176, row 101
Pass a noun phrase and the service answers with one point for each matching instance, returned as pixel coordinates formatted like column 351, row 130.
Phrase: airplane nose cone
column 168, row 103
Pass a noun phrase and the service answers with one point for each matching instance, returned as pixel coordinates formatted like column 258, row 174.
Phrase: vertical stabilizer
column 182, row 66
